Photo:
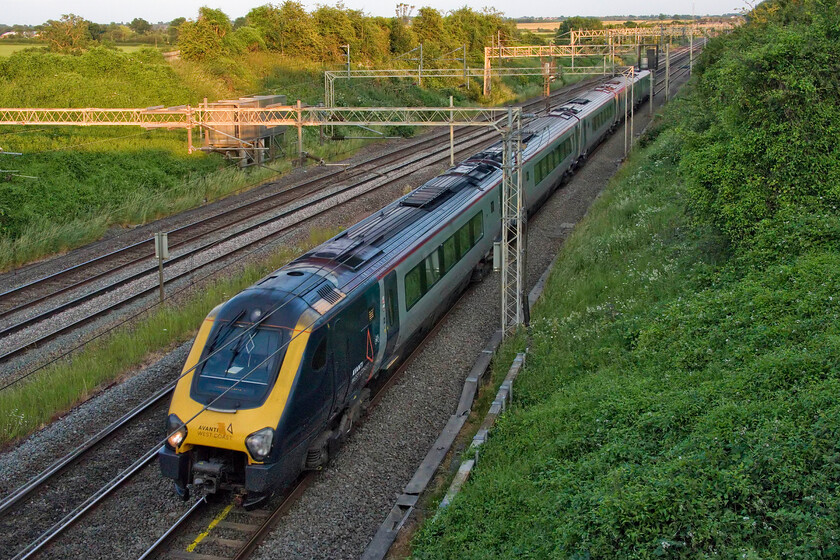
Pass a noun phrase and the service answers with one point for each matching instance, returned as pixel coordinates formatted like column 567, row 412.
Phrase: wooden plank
column 183, row 555
column 242, row 527
column 232, row 543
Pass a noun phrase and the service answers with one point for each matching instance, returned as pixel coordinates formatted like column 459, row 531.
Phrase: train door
column 392, row 313
column 356, row 342
column 341, row 362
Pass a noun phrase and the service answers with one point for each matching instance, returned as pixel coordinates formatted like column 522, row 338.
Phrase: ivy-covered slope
column 682, row 395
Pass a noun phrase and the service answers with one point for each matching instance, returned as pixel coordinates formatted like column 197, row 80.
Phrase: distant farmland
column 540, row 27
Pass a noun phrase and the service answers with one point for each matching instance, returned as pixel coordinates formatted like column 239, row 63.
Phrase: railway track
column 26, row 305
column 68, row 278
column 253, row 532
column 19, row 497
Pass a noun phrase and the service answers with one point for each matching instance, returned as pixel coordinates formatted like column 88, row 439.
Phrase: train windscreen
column 243, row 363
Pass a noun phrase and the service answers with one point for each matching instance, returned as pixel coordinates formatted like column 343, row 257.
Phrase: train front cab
column 281, row 418
column 242, row 439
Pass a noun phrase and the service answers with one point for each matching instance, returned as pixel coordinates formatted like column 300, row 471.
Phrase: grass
column 32, row 403
column 7, row 48
column 87, row 180
column 679, row 400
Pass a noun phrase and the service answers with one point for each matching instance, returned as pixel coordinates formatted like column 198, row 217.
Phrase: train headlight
column 177, row 431
column 259, row 443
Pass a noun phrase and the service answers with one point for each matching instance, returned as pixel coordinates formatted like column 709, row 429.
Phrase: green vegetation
column 72, row 184
column 29, row 404
column 681, row 394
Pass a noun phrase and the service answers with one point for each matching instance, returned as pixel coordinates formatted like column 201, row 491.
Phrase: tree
column 70, row 34
column 96, row 31
column 404, row 12
column 288, row 29
column 478, row 29
column 402, row 38
column 576, row 23
column 204, row 38
column 140, row 26
column 247, row 39
column 172, row 31
column 336, row 29
column 429, row 28
column 118, row 33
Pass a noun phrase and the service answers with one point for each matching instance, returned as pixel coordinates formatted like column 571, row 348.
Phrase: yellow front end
column 228, row 430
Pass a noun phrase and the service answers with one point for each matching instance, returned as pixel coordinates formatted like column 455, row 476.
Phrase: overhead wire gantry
column 507, row 121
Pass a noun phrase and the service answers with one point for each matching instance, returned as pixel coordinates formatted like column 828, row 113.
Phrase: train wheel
column 318, row 453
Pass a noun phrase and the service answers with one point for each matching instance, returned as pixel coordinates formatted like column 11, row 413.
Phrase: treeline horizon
column 262, row 29
column 289, row 29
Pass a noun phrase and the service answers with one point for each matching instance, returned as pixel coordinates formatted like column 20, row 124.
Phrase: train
column 278, row 375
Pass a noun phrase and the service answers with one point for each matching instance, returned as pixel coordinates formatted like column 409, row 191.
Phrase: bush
column 768, row 144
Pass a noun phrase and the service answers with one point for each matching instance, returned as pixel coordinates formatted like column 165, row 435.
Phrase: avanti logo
column 219, row 431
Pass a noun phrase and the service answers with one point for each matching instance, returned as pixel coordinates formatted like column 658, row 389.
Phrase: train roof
column 370, row 248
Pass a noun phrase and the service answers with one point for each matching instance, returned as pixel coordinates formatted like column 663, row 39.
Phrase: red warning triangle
column 369, row 350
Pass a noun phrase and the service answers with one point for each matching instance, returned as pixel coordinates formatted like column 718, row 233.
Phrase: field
column 7, row 48
column 539, row 27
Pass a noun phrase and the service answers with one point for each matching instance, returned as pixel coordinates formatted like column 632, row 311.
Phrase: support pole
column 466, row 75
column 667, row 72
column 300, row 132
column 451, row 133
column 486, row 71
column 348, row 59
column 513, row 246
column 189, row 130
column 632, row 107
column 626, row 88
column 206, row 131
column 420, row 69
column 652, row 93
column 691, row 52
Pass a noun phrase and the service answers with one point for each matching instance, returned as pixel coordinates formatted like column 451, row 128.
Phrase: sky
column 34, row 12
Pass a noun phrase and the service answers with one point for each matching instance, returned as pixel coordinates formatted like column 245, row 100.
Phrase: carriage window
column 463, row 238
column 477, row 228
column 425, row 275
column 450, row 253
column 432, row 269
column 413, row 286
column 319, row 357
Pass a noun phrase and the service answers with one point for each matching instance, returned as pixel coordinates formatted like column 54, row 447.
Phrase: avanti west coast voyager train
column 278, row 374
